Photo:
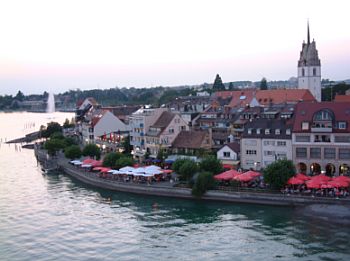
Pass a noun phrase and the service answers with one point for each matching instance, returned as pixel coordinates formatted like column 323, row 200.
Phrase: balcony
column 321, row 129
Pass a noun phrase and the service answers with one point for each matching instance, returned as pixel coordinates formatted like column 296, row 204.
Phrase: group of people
column 321, row 192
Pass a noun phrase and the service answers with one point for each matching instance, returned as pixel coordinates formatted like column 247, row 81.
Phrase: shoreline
column 167, row 190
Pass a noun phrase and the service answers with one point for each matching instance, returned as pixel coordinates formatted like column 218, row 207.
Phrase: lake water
column 56, row 218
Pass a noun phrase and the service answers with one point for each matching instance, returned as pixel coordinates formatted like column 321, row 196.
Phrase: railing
column 321, row 129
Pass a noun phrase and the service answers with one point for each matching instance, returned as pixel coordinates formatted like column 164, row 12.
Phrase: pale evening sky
column 69, row 44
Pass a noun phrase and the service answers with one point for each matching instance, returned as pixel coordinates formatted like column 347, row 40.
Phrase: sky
column 60, row 45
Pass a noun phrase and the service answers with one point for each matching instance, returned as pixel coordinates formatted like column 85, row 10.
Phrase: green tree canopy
column 263, row 84
column 54, row 145
column 187, row 170
column 111, row 158
column 51, row 128
column 123, row 162
column 218, row 85
column 278, row 173
column 72, row 152
column 204, row 181
column 126, row 145
column 211, row 164
column 92, row 150
column 19, row 96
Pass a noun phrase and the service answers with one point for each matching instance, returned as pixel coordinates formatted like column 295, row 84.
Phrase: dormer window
column 277, row 131
column 342, row 125
column 249, row 131
column 267, row 131
column 257, row 131
column 287, row 131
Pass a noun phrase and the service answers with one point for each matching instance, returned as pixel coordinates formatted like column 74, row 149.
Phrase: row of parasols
column 320, row 181
column 148, row 171
column 239, row 176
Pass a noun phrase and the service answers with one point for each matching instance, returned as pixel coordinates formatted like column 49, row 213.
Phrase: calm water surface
column 56, row 218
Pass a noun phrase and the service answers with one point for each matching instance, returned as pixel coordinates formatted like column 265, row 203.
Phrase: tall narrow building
column 309, row 68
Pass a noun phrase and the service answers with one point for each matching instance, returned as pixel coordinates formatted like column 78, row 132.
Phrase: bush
column 92, row 150
column 72, row 152
column 211, row 164
column 205, row 180
column 111, row 158
column 123, row 162
column 177, row 165
column 57, row 135
column 278, row 173
column 187, row 170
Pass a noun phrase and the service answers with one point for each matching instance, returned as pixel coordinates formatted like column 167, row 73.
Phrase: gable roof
column 164, row 120
column 190, row 139
column 305, row 111
column 234, row 146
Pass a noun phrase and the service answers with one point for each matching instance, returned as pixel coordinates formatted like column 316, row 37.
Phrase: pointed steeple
column 308, row 33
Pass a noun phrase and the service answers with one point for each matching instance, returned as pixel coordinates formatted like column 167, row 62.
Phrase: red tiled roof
column 305, row 111
column 342, row 98
column 265, row 97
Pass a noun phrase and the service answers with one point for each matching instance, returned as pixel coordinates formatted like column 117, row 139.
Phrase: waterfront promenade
column 168, row 189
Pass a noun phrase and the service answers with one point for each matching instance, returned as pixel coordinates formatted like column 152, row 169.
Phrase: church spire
column 308, row 33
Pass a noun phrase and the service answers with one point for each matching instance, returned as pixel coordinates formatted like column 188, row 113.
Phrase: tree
column 123, row 162
column 161, row 155
column 19, row 96
column 57, row 135
column 111, row 158
column 72, row 152
column 51, row 128
column 218, row 85
column 68, row 124
column 92, row 150
column 231, row 87
column 126, row 145
column 53, row 145
column 187, row 170
column 211, row 164
column 278, row 173
column 263, row 84
column 177, row 164
column 205, row 180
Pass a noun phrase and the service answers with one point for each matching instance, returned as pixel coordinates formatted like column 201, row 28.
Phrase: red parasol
column 314, row 184
column 338, row 184
column 96, row 163
column 252, row 173
column 321, row 177
column 342, row 178
column 302, row 176
column 227, row 175
column 295, row 181
column 88, row 161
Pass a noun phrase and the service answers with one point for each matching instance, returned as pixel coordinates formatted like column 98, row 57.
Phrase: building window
column 305, row 125
column 342, row 125
column 315, row 153
column 250, row 142
column 251, row 152
column 344, row 153
column 277, row 131
column 171, row 130
column 257, row 131
column 281, row 143
column 269, row 153
column 314, row 71
column 269, row 143
column 303, row 72
column 329, row 153
column 300, row 138
column 288, row 132
column 301, row 152
column 227, row 154
column 249, row 131
column 267, row 131
column 249, row 162
column 342, row 139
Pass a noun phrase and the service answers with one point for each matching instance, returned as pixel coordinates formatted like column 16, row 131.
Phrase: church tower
column 309, row 68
